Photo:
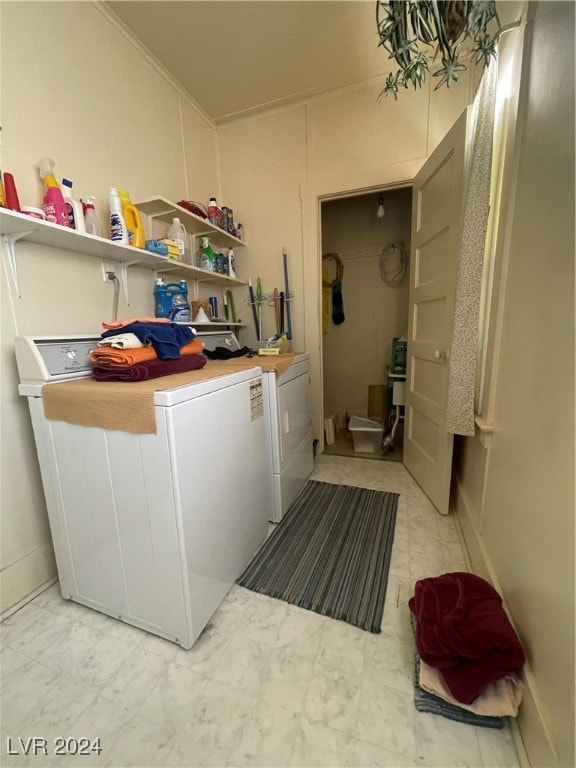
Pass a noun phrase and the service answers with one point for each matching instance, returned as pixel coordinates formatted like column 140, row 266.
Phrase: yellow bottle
column 136, row 234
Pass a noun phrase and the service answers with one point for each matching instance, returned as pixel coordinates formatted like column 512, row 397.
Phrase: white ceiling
column 233, row 56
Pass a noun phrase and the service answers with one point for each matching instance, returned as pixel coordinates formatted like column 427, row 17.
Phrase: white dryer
column 152, row 529
column 287, row 406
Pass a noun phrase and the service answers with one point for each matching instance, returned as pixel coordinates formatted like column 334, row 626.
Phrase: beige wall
column 347, row 142
column 514, row 490
column 281, row 164
column 264, row 163
column 109, row 119
column 112, row 118
column 115, row 119
column 356, row 353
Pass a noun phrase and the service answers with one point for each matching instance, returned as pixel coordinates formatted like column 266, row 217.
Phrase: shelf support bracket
column 8, row 242
column 159, row 270
column 124, row 272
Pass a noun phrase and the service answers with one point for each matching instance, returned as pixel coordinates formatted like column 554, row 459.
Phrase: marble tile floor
column 267, row 684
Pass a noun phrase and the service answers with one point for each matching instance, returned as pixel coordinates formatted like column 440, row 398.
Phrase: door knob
column 438, row 355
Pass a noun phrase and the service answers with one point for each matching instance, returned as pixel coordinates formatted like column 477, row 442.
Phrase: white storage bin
column 366, row 433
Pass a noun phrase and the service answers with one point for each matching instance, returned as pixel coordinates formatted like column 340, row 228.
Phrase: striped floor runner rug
column 330, row 553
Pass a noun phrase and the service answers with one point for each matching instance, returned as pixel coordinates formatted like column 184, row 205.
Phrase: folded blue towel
column 167, row 339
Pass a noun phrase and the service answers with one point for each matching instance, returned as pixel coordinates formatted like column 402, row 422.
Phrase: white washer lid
column 169, row 397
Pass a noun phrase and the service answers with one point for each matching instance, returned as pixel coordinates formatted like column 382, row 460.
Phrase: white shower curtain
column 459, row 417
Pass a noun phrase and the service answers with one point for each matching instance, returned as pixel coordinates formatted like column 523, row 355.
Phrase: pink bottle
column 54, row 204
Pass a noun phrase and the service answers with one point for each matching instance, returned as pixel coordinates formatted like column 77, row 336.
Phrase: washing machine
column 152, row 529
column 288, row 420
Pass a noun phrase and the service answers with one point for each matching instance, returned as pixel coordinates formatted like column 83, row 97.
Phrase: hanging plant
column 404, row 26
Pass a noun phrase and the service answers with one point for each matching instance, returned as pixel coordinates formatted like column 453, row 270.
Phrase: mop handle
column 253, row 305
column 231, row 305
column 287, row 295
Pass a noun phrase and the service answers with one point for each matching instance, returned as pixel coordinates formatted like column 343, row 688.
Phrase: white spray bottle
column 74, row 207
column 91, row 220
column 231, row 267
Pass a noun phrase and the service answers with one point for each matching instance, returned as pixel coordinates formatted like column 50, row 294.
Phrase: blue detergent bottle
column 171, row 301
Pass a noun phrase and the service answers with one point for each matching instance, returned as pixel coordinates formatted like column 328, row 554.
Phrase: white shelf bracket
column 160, row 270
column 124, row 273
column 8, row 242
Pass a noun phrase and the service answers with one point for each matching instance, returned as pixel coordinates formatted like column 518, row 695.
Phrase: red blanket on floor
column 463, row 631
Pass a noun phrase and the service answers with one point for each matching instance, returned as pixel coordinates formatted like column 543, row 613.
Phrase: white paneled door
column 436, row 226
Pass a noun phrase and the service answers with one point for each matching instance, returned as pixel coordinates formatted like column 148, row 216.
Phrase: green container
column 399, row 355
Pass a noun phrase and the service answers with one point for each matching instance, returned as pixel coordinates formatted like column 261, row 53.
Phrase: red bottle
column 10, row 193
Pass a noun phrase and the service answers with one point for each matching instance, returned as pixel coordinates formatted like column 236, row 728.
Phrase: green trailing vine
column 405, row 26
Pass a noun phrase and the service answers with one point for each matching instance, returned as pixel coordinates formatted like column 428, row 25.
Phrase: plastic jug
column 171, row 301
column 136, row 234
column 177, row 233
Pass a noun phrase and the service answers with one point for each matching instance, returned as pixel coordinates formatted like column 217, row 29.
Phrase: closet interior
column 365, row 285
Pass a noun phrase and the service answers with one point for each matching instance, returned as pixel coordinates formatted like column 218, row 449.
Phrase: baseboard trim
column 532, row 739
column 28, row 599
column 26, row 578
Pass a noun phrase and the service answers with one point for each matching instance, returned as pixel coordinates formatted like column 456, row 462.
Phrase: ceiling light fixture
column 380, row 212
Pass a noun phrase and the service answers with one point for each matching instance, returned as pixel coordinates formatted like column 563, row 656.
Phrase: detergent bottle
column 53, row 203
column 161, row 308
column 91, row 221
column 136, row 234
column 171, row 301
column 118, row 229
column 73, row 207
column 180, row 312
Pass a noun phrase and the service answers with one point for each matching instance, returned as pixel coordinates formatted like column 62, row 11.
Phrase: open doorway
column 365, row 246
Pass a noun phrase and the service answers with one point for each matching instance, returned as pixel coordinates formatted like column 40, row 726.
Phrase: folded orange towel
column 121, row 323
column 124, row 357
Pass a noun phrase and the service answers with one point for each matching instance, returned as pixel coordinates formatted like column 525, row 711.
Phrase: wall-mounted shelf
column 165, row 210
column 18, row 226
column 163, row 264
